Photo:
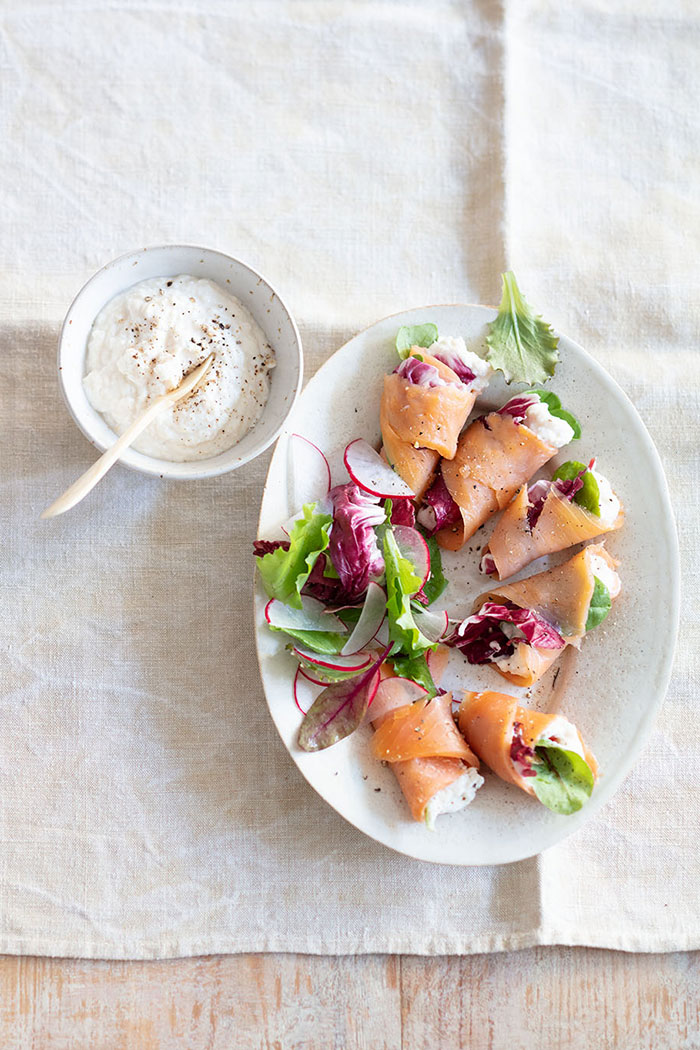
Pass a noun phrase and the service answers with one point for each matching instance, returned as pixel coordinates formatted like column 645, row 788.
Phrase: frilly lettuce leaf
column 284, row 572
column 521, row 344
column 401, row 584
column 564, row 781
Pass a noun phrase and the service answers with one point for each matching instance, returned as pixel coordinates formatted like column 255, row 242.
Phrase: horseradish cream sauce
column 144, row 341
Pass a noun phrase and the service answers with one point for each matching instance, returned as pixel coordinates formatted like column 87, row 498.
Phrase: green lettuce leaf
column 401, row 584
column 564, row 781
column 436, row 581
column 319, row 641
column 416, row 668
column 553, row 403
column 415, row 335
column 284, row 572
column 329, row 675
column 600, row 604
column 589, row 496
column 521, row 344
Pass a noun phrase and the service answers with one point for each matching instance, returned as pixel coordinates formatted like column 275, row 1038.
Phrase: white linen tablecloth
column 367, row 157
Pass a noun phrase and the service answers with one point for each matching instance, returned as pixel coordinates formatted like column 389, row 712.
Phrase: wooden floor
column 577, row 998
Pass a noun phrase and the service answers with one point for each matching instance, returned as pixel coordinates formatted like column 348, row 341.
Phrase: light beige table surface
column 544, row 998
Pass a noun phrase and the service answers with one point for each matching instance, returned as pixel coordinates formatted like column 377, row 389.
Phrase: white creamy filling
column 565, row 735
column 517, row 662
column 455, row 345
column 548, row 428
column 454, row 797
column 606, row 574
column 609, row 503
column 144, row 341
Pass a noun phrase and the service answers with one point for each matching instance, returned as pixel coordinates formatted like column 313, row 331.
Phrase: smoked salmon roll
column 495, row 455
column 520, row 629
column 424, row 406
column 542, row 754
column 436, row 770
column 577, row 504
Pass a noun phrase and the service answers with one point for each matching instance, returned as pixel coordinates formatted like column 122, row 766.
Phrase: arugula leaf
column 564, row 781
column 415, row 335
column 436, row 581
column 600, row 604
column 587, row 497
column 416, row 668
column 284, row 572
column 401, row 584
column 521, row 344
column 327, row 642
column 553, row 403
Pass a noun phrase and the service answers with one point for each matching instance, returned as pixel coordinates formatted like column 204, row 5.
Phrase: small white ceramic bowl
column 168, row 261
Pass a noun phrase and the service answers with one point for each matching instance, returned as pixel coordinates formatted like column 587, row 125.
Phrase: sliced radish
column 369, row 622
column 323, row 506
column 368, row 470
column 309, row 470
column 437, row 662
column 434, row 625
column 382, row 635
column 304, row 692
column 335, row 663
column 413, row 546
column 311, row 617
column 393, row 693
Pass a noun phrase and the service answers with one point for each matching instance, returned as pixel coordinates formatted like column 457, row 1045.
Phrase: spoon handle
column 87, row 481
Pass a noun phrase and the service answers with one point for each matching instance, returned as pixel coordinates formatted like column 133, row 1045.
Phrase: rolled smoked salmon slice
column 416, row 466
column 494, row 456
column 423, row 415
column 558, row 599
column 505, row 736
column 422, row 729
column 430, row 785
column 560, row 523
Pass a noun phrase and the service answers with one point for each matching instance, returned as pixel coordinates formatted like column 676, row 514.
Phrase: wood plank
column 580, row 998
column 271, row 1002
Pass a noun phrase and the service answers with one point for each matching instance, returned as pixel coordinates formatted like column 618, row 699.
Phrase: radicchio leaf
column 420, row 373
column 353, row 545
column 339, row 709
column 439, row 510
column 517, row 406
column 482, row 639
column 521, row 753
column 403, row 512
column 458, row 366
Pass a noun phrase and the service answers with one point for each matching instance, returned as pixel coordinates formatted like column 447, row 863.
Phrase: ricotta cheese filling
column 547, row 427
column 609, row 503
column 455, row 345
column 454, row 797
column 144, row 341
column 606, row 574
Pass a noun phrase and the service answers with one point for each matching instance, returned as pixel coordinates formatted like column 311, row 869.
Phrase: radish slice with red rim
column 335, row 663
column 311, row 617
column 370, row 620
column 304, row 692
column 434, row 625
column 394, row 693
column 323, row 506
column 437, row 660
column 310, row 473
column 413, row 547
column 368, row 470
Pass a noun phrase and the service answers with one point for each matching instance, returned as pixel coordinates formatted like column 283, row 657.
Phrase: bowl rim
column 151, row 465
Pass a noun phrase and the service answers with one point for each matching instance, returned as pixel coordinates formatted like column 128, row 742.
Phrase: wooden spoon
column 87, row 481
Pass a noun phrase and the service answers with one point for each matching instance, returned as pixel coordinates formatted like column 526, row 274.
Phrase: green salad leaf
column 402, row 583
column 328, row 675
column 436, row 582
column 553, row 403
column 589, row 496
column 599, row 606
column 564, row 781
column 521, row 344
column 284, row 572
column 416, row 668
column 415, row 335
column 327, row 642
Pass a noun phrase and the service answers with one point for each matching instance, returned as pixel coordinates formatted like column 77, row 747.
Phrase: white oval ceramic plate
column 611, row 690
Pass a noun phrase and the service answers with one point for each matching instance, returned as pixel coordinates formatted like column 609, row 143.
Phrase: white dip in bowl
column 147, row 338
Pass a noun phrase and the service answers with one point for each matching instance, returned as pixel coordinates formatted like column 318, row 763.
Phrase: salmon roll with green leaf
column 578, row 504
column 542, row 754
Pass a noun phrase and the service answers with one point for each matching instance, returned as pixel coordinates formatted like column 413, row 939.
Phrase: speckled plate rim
column 605, row 790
